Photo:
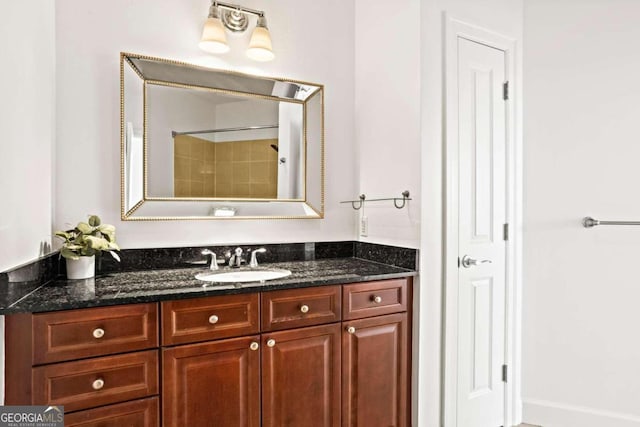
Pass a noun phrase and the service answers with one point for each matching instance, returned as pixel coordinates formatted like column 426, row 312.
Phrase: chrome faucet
column 214, row 261
column 254, row 261
column 236, row 259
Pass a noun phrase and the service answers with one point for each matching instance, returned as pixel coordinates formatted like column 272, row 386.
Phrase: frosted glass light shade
column 260, row 44
column 214, row 39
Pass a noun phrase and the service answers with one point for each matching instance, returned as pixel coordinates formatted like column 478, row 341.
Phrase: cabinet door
column 374, row 368
column 301, row 377
column 212, row 384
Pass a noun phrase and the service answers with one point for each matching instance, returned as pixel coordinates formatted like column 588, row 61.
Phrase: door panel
column 301, row 377
column 374, row 369
column 212, row 384
column 482, row 213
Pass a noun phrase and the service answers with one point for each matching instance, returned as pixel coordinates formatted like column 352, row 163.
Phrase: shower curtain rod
column 195, row 132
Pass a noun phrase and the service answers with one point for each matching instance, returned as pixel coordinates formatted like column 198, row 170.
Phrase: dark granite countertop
column 159, row 285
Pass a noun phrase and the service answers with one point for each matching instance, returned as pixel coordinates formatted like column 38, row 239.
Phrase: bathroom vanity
column 327, row 346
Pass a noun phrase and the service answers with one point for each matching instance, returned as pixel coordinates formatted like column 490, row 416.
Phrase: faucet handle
column 214, row 261
column 254, row 261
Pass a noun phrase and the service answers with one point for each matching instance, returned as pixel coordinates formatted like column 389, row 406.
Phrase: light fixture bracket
column 234, row 17
column 235, row 20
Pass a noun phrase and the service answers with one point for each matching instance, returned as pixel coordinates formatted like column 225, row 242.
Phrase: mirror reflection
column 215, row 141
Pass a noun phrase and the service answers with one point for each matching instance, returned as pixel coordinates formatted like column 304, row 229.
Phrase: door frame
column 455, row 29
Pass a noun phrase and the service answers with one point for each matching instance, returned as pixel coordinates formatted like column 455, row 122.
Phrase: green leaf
column 97, row 243
column 94, row 220
column 69, row 254
column 84, row 228
column 109, row 232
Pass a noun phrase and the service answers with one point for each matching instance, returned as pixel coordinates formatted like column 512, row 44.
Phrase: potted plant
column 83, row 243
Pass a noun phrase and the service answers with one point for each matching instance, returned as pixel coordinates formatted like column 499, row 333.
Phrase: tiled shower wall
column 225, row 169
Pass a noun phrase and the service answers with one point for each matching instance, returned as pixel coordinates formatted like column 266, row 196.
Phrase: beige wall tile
column 241, row 190
column 241, row 151
column 181, row 168
column 241, row 172
column 260, row 172
column 182, row 188
column 182, row 146
column 197, row 148
column 197, row 170
column 224, row 151
column 224, row 172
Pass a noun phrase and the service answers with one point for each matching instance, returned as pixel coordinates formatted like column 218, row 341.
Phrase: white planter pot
column 82, row 268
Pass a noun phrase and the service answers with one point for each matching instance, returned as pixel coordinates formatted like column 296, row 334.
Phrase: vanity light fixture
column 235, row 19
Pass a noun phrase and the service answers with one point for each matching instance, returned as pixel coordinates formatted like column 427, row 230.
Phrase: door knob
column 468, row 262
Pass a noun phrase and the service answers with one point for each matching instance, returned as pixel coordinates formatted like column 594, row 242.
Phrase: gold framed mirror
column 202, row 143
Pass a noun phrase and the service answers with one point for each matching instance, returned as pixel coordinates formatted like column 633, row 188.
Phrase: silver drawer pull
column 351, row 330
column 213, row 319
column 98, row 333
column 254, row 346
column 98, row 384
column 271, row 343
column 377, row 299
column 304, row 308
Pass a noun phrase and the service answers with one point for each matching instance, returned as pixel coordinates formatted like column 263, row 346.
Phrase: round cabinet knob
column 304, row 308
column 98, row 333
column 254, row 346
column 98, row 384
column 271, row 343
column 213, row 319
column 377, row 299
column 351, row 330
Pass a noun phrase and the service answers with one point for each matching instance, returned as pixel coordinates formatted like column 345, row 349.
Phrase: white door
column 482, row 136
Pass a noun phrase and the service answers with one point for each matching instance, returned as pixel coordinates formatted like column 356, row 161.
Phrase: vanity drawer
column 137, row 413
column 76, row 334
column 95, row 382
column 203, row 319
column 374, row 298
column 293, row 308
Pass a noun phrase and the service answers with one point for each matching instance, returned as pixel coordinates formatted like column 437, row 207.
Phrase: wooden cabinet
column 293, row 308
column 83, row 384
column 374, row 367
column 84, row 359
column 202, row 319
column 215, row 383
column 137, row 413
column 322, row 356
column 374, row 298
column 74, row 334
column 301, row 377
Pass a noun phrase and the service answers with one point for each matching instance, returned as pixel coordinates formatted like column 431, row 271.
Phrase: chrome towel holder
column 588, row 222
column 396, row 200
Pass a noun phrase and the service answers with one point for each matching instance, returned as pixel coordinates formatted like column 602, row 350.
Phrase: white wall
column 27, row 124
column 89, row 39
column 263, row 112
column 387, row 114
column 504, row 17
column 581, row 317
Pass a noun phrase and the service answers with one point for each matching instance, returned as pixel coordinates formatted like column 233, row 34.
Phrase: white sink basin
column 243, row 276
